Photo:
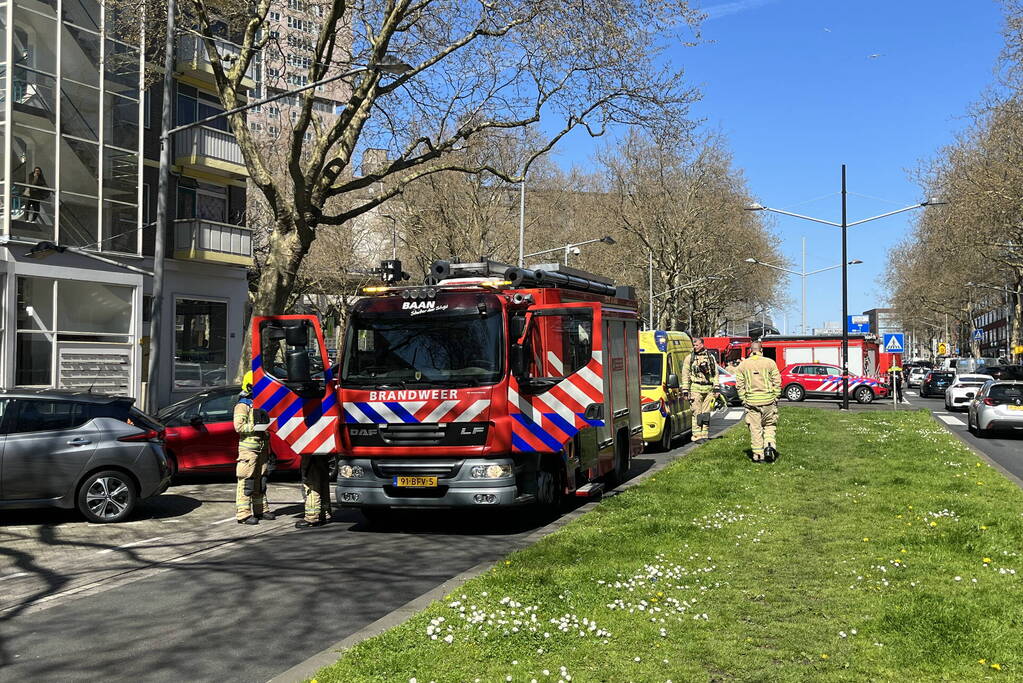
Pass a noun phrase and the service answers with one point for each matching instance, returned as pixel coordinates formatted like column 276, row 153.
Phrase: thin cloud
column 725, row 9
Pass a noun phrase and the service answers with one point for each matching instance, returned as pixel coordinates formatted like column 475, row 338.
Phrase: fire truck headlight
column 351, row 472
column 652, row 406
column 490, row 471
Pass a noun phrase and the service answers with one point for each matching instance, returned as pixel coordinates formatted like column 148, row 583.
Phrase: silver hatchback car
column 997, row 405
column 77, row 450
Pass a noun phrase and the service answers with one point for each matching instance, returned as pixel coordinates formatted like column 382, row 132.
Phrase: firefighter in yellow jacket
column 253, row 452
column 700, row 386
column 758, row 383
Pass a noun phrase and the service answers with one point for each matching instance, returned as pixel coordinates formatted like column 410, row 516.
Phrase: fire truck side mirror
column 594, row 411
column 298, row 365
column 297, row 335
column 673, row 382
column 518, row 361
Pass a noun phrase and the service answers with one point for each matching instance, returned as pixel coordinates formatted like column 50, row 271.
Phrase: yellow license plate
column 1015, row 407
column 416, row 482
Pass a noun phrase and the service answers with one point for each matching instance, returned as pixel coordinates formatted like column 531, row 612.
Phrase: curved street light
column 845, row 225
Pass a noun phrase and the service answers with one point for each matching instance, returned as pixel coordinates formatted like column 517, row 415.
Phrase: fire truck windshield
column 456, row 346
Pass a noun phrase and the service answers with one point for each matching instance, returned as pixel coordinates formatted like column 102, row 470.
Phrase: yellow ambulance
column 666, row 416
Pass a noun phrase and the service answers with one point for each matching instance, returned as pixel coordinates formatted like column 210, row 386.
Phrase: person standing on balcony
column 35, row 194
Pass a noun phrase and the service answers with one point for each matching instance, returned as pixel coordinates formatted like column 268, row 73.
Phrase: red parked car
column 200, row 434
column 817, row 380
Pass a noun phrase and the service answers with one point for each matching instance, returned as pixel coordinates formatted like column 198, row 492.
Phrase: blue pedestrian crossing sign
column 892, row 343
column 978, row 335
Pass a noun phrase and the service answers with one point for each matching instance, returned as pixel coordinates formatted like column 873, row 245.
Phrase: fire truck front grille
column 442, row 468
column 412, row 434
column 430, row 434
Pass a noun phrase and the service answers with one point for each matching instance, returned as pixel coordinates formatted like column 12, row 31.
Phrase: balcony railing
column 197, row 146
column 192, row 51
column 210, row 240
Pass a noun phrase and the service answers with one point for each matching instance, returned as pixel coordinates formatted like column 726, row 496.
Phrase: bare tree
column 683, row 206
column 476, row 67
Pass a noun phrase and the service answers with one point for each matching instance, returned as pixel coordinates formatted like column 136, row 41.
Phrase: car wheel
column 665, row 444
column 794, row 392
column 107, row 496
column 864, row 395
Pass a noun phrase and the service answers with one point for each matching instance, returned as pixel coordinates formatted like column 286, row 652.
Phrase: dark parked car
column 935, row 383
column 1003, row 372
column 67, row 450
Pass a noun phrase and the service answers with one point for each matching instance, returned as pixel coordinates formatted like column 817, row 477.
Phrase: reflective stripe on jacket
column 243, row 423
column 758, row 381
column 695, row 380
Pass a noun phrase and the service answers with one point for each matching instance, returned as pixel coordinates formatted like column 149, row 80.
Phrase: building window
column 88, row 324
column 273, row 15
column 200, row 343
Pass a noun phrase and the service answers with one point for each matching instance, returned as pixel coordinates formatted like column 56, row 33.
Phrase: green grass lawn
column 877, row 548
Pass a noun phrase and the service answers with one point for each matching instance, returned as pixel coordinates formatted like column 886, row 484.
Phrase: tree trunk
column 1014, row 334
column 275, row 283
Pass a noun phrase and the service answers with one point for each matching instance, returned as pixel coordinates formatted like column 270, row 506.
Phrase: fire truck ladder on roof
column 548, row 275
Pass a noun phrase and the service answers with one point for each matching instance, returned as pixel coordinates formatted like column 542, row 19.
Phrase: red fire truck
column 865, row 358
column 487, row 386
column 728, row 349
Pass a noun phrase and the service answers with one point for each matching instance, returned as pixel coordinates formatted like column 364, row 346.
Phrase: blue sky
column 792, row 86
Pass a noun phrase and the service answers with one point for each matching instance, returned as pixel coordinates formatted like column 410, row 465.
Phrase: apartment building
column 294, row 26
column 81, row 145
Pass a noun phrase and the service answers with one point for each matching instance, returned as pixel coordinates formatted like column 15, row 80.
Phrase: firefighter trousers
column 250, row 494
column 762, row 421
column 703, row 405
column 316, row 487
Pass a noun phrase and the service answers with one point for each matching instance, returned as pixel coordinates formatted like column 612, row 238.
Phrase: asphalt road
column 258, row 604
column 1005, row 448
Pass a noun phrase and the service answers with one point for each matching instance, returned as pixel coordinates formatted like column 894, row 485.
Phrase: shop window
column 35, row 304
column 33, row 361
column 93, row 308
column 83, row 312
column 200, row 343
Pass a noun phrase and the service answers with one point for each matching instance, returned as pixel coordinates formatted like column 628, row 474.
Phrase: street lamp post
column 607, row 239
column 387, row 64
column 845, row 225
column 804, row 273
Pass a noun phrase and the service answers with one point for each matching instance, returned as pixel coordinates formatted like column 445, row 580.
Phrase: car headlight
column 490, row 471
column 652, row 406
column 351, row 472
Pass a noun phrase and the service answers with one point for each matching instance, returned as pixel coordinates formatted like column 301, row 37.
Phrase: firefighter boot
column 770, row 453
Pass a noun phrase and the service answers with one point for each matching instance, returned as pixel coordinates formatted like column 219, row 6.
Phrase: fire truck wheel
column 550, row 489
column 622, row 464
column 794, row 392
column 864, row 395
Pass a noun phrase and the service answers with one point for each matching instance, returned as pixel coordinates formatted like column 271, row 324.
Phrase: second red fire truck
column 487, row 386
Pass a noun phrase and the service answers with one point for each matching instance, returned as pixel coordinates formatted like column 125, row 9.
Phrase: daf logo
column 367, row 431
column 472, row 431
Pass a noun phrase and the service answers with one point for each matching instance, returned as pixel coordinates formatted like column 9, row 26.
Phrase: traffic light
column 391, row 272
